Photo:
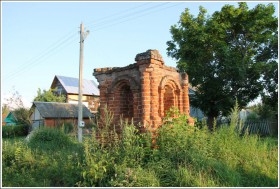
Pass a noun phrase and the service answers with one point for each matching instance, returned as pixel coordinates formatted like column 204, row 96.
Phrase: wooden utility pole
column 80, row 110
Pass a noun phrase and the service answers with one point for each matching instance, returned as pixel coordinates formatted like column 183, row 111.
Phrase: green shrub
column 253, row 117
column 14, row 131
column 23, row 166
column 49, row 139
column 67, row 127
column 134, row 147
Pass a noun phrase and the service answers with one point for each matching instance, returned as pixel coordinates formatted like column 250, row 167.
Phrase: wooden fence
column 262, row 128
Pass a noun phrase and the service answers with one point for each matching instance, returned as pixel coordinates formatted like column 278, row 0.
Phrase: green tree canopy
column 49, row 96
column 229, row 55
column 22, row 116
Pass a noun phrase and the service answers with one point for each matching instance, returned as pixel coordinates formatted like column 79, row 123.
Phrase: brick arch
column 169, row 80
column 123, row 99
column 169, row 95
column 124, row 79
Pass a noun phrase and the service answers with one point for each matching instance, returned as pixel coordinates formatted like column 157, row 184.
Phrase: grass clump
column 49, row 139
column 48, row 159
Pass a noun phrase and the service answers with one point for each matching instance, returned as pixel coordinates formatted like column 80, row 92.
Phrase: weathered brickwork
column 143, row 91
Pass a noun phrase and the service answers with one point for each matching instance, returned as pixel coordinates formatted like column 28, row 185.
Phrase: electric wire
column 42, row 60
column 45, row 52
column 48, row 52
column 136, row 17
column 36, row 61
column 42, row 52
column 126, row 15
column 40, row 55
column 117, row 13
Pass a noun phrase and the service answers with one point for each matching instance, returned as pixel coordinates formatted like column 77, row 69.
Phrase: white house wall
column 36, row 119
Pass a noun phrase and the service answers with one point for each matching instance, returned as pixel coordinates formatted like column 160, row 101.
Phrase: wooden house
column 53, row 114
column 10, row 119
column 2, row 120
column 69, row 87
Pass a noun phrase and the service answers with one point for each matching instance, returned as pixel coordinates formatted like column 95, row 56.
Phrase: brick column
column 137, row 108
column 185, row 94
column 186, row 102
column 154, row 83
column 161, row 102
column 181, row 102
column 145, row 93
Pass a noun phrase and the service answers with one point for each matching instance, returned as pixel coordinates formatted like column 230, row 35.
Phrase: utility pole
column 80, row 110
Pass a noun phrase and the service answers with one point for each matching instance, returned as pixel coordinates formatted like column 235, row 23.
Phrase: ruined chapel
column 143, row 91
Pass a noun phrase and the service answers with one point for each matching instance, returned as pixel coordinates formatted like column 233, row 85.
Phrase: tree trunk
column 210, row 122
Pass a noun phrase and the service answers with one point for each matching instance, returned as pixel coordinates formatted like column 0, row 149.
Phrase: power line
column 128, row 15
column 138, row 16
column 120, row 12
column 106, row 24
column 40, row 55
column 51, row 48
column 43, row 60
column 38, row 60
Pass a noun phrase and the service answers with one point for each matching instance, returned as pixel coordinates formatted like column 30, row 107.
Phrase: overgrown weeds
column 184, row 156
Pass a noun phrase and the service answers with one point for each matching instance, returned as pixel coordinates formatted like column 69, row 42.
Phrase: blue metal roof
column 71, row 85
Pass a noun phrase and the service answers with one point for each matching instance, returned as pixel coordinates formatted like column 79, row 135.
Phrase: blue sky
column 41, row 39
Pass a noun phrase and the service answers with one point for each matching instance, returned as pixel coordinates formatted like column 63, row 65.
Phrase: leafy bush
column 253, row 117
column 49, row 139
column 14, row 131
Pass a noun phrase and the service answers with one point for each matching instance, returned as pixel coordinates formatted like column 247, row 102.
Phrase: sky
column 41, row 39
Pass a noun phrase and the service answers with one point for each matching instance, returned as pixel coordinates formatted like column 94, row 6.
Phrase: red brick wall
column 143, row 91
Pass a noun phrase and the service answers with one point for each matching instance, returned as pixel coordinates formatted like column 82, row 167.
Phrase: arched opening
column 126, row 102
column 168, row 99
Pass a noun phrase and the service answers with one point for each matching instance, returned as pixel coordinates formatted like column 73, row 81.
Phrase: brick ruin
column 143, row 91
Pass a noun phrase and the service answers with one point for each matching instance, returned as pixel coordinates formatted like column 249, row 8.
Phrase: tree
column 22, row 116
column 227, row 55
column 5, row 109
column 14, row 103
column 49, row 96
column 263, row 111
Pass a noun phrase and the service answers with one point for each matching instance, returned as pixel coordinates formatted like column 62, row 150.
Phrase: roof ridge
column 67, row 103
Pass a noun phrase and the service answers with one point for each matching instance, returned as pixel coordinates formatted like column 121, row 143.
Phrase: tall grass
column 49, row 158
column 182, row 155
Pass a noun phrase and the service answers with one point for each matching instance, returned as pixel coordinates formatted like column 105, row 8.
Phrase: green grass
column 182, row 156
